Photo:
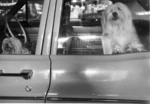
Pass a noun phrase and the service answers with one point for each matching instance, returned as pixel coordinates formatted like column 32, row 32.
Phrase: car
column 52, row 51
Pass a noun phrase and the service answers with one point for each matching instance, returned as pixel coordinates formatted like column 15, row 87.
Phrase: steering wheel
column 22, row 29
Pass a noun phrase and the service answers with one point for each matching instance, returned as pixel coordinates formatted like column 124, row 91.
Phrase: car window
column 20, row 20
column 100, row 27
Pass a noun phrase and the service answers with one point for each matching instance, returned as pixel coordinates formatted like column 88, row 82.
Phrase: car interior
column 20, row 19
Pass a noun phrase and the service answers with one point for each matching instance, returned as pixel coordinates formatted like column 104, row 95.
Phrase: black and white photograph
column 75, row 51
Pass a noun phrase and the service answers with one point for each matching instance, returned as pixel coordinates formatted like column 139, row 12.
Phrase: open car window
column 20, row 20
column 100, row 27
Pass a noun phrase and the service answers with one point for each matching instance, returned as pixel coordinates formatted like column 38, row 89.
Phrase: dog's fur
column 118, row 28
column 13, row 46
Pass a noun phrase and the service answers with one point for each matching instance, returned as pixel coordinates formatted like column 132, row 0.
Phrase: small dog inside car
column 118, row 27
column 13, row 46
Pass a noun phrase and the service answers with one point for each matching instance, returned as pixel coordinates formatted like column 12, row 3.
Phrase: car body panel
column 18, row 89
column 113, row 77
column 13, row 87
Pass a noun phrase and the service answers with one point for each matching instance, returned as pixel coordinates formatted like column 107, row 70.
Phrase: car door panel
column 18, row 87
column 14, row 88
column 123, row 76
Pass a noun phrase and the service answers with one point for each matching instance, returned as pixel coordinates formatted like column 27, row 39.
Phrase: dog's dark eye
column 119, row 9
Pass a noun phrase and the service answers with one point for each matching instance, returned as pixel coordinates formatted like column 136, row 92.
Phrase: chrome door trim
column 98, row 100
column 42, row 27
column 49, row 28
column 56, row 27
column 77, row 100
column 21, row 98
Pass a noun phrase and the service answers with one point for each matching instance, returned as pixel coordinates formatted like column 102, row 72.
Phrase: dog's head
column 116, row 13
column 11, row 45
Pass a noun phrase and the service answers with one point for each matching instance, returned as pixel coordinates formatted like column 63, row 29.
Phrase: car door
column 24, row 75
column 82, row 71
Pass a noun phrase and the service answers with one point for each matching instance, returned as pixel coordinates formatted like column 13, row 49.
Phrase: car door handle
column 26, row 74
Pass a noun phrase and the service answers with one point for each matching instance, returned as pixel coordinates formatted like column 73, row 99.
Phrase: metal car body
column 123, row 78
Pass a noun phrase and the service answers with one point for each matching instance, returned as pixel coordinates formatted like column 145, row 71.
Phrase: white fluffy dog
column 118, row 28
column 13, row 46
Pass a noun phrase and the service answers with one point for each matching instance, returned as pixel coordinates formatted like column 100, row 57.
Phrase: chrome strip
column 79, row 100
column 42, row 27
column 56, row 27
column 20, row 98
column 98, row 100
column 49, row 28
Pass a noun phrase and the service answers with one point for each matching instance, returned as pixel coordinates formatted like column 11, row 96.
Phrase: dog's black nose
column 115, row 14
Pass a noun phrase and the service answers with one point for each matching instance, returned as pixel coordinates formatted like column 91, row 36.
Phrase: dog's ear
column 103, row 22
column 128, row 13
column 126, row 10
